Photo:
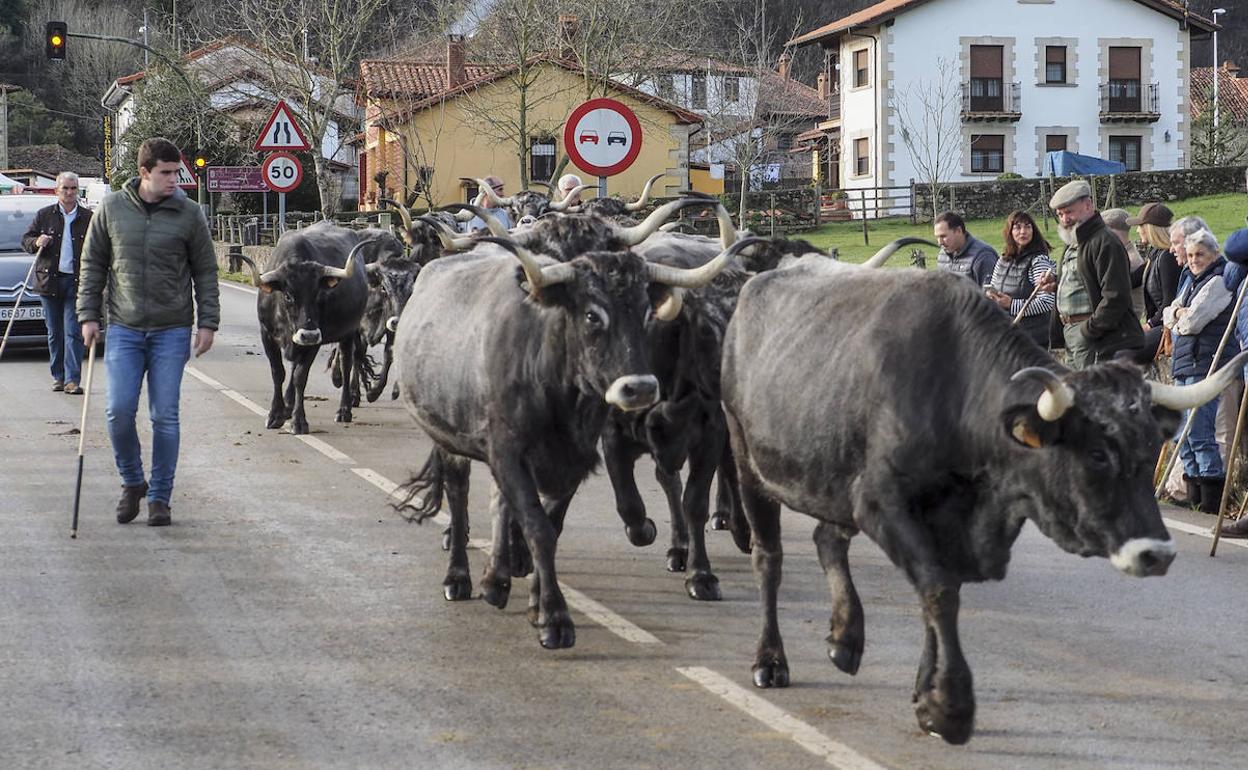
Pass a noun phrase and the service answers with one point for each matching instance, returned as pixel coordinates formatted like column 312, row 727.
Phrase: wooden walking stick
column 82, row 437
column 21, row 292
column 1034, row 293
column 1231, row 457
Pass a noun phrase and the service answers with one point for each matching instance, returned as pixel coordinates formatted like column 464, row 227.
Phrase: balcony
column 990, row 100
column 1129, row 101
column 834, row 105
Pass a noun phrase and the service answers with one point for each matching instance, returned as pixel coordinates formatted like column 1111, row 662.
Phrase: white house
column 239, row 81
column 1099, row 77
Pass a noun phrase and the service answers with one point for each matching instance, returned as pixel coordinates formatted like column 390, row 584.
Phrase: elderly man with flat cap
column 1092, row 283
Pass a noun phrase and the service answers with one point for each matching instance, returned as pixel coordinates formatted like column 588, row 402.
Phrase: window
column 697, row 97
column 1055, row 64
column 862, row 69
column 862, row 157
column 541, row 158
column 1124, row 79
column 784, row 142
column 987, row 153
column 732, row 88
column 986, row 78
column 1125, row 150
column 1055, row 143
column 666, row 87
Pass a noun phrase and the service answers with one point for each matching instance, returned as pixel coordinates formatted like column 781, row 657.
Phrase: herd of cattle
column 901, row 403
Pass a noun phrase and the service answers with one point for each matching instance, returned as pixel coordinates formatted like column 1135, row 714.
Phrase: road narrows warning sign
column 281, row 132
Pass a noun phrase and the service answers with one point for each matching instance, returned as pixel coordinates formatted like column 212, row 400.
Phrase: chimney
column 455, row 74
column 569, row 26
column 783, row 67
column 822, row 84
column 1232, row 68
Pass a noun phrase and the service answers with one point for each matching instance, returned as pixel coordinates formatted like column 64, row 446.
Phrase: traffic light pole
column 190, row 89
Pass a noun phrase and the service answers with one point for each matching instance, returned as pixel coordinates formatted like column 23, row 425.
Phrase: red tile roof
column 1232, row 93
column 414, row 79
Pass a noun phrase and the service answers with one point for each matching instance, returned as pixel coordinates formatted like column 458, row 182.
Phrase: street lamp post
column 1216, row 13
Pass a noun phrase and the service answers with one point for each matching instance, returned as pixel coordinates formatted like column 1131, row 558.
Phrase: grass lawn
column 1224, row 213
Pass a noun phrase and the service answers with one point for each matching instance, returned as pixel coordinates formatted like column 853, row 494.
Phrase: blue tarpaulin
column 1070, row 163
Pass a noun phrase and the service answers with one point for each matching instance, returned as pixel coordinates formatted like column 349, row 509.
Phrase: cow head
column 1092, row 439
column 389, row 287
column 307, row 287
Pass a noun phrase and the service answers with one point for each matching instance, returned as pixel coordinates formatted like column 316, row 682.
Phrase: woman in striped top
column 1023, row 263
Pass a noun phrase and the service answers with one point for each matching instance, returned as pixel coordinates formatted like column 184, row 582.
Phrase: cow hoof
column 935, row 720
column 845, row 657
column 457, row 588
column 299, row 427
column 719, row 521
column 355, row 401
column 642, row 535
column 446, row 539
column 771, row 672
column 558, row 635
column 703, row 586
column 344, row 415
column 495, row 591
column 521, row 560
column 677, row 559
column 275, row 421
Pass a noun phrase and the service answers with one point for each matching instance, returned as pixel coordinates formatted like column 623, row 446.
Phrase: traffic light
column 200, row 162
column 54, row 36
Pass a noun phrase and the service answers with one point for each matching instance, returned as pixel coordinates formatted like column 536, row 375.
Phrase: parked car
column 588, row 137
column 16, row 214
column 617, row 137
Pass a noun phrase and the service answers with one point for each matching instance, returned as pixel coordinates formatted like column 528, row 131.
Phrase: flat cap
column 1116, row 219
column 1069, row 193
column 1153, row 214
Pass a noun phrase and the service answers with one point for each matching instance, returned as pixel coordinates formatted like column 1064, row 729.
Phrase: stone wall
column 997, row 198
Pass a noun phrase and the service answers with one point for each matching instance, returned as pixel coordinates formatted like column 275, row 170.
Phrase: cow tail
column 428, row 484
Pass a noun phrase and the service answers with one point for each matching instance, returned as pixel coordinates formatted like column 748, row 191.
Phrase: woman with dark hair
column 1023, row 263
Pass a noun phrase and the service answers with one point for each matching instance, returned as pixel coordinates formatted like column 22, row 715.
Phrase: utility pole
column 145, row 43
column 4, row 122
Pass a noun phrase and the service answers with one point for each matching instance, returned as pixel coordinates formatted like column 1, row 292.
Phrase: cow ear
column 1023, row 425
column 1167, row 421
column 269, row 287
column 373, row 272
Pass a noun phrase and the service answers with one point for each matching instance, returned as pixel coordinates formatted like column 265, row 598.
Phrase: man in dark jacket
column 56, row 278
column 1093, row 282
column 151, row 245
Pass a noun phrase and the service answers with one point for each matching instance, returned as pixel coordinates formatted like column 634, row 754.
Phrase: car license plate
column 24, row 313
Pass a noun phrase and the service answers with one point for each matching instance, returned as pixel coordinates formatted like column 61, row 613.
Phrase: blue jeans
column 162, row 356
column 1200, row 451
column 64, row 334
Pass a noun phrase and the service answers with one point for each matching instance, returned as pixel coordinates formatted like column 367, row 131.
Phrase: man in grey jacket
column 962, row 253
column 150, row 245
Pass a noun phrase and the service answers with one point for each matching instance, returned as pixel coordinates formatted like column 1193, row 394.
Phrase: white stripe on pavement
column 237, row 287
column 392, row 490
column 833, row 752
column 1192, row 529
column 234, row 395
column 616, row 624
column 325, row 449
column 197, row 374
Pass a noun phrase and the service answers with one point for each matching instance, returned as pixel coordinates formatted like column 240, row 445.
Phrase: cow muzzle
column 634, row 392
column 307, row 337
column 1143, row 556
column 392, row 324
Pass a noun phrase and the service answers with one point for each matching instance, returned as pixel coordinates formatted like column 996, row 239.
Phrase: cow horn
column 537, row 275
column 669, row 308
column 692, row 278
column 251, row 265
column 562, row 205
column 495, row 227
column 1057, row 396
column 403, row 214
column 493, row 196
column 638, row 233
column 446, row 235
column 640, row 203
column 346, row 270
column 883, row 254
column 727, row 230
column 1180, row 397
column 547, row 185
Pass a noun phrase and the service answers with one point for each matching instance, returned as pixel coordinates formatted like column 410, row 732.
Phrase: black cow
column 904, row 404
column 314, row 293
column 519, row 369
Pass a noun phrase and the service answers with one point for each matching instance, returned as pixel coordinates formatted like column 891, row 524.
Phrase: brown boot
column 1236, row 529
column 128, row 507
column 158, row 514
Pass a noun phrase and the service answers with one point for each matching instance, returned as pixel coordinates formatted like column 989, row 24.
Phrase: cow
column 519, row 369
column 313, row 293
column 905, row 405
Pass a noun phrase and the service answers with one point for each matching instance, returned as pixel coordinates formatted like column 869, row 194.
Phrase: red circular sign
column 602, row 137
column 282, row 172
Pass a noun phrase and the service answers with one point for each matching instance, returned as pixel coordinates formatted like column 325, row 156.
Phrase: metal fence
column 264, row 230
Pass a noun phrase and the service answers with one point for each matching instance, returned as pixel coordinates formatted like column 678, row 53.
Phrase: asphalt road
column 289, row 619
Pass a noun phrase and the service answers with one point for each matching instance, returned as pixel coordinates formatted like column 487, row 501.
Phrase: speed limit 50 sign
column 282, row 172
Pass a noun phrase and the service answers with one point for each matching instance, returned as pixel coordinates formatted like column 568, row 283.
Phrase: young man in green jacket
column 150, row 245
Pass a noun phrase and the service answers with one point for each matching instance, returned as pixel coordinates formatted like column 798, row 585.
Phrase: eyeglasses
column 69, row 188
column 498, row 188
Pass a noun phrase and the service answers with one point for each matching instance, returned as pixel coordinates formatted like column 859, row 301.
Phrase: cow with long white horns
column 913, row 411
column 527, row 204
column 519, row 368
column 313, row 293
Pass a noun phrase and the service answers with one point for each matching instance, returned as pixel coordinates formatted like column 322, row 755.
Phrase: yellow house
column 435, row 128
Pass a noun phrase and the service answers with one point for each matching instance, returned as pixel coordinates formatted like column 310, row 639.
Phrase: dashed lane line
column 835, row 753
column 1192, row 529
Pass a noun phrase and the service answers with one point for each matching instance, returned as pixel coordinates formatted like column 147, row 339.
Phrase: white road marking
column 325, row 449
column 616, row 624
column 234, row 395
column 392, row 490
column 197, row 374
column 833, row 752
column 236, row 287
column 1192, row 529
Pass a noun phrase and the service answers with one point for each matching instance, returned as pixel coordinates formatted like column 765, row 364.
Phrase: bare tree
column 929, row 114
column 1225, row 144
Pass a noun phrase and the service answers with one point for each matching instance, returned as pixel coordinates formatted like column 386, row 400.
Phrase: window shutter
column 986, row 61
column 1124, row 63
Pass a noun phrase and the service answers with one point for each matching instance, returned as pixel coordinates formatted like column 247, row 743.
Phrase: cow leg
column 520, row 489
column 355, row 377
column 302, row 360
column 496, row 582
column 521, row 558
column 556, row 510
column 701, row 583
column 277, row 405
column 846, row 637
column 346, row 353
column 771, row 666
column 678, row 551
column 620, row 456
column 722, row 517
column 457, row 586
column 374, row 391
column 729, row 495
